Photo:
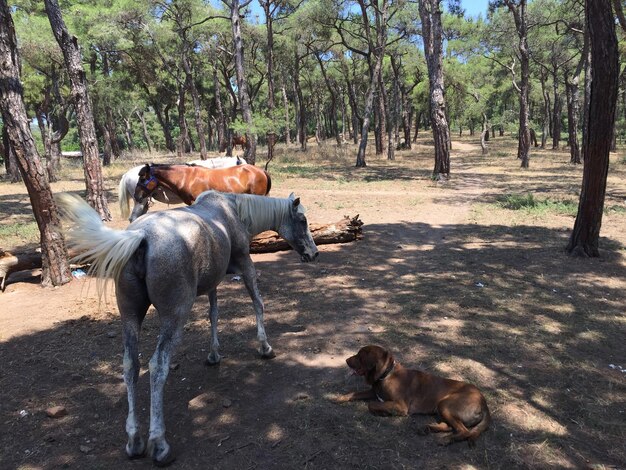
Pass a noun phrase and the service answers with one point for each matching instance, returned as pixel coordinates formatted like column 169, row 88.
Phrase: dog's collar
column 386, row 373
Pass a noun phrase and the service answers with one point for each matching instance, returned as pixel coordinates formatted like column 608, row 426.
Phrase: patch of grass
column 614, row 209
column 528, row 203
column 296, row 170
column 18, row 233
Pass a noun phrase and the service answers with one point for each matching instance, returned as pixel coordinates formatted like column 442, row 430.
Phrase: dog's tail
column 482, row 425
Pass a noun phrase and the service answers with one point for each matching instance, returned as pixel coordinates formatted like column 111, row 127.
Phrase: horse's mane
column 259, row 212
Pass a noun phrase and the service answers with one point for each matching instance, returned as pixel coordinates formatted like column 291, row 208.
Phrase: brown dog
column 403, row 391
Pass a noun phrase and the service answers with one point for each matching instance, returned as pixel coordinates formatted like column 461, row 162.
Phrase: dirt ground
column 446, row 278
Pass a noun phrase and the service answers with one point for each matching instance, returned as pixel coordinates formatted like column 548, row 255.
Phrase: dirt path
column 446, row 279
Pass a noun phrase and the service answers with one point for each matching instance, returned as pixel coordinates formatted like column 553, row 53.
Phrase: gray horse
column 128, row 183
column 167, row 259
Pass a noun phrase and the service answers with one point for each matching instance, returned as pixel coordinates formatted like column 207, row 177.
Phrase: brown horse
column 240, row 140
column 188, row 182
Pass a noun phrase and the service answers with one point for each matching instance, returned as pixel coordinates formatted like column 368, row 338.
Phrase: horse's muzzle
column 307, row 257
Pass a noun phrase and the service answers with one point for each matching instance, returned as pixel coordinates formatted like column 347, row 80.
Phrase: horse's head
column 295, row 229
column 146, row 184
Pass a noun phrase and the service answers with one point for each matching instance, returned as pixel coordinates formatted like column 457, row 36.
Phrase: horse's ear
column 144, row 170
column 296, row 202
column 292, row 196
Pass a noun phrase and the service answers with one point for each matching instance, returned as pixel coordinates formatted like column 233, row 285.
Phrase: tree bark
column 546, row 109
column 584, row 240
column 377, row 49
column 286, row 106
column 556, row 111
column 432, row 30
column 195, row 99
column 144, row 130
column 10, row 159
column 221, row 118
column 571, row 90
column 96, row 195
column 268, row 8
column 54, row 253
column 299, row 104
column 242, row 83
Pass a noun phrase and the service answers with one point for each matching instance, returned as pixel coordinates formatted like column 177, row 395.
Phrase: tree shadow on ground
column 502, row 307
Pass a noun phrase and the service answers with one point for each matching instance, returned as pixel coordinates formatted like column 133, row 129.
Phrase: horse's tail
column 269, row 182
column 123, row 197
column 106, row 249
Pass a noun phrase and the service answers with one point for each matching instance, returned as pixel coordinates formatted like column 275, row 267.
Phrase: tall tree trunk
column 369, row 103
column 546, row 110
column 521, row 25
column 109, row 122
column 333, row 100
column 107, row 153
column 195, row 100
column 242, row 83
column 182, row 143
column 286, row 106
column 383, row 105
column 418, row 118
column 47, row 145
column 221, row 117
column 586, row 100
column 128, row 130
column 430, row 13
column 556, row 112
column 300, row 108
column 144, row 130
column 357, row 121
column 269, row 23
column 96, row 195
column 571, row 90
column 377, row 49
column 11, row 164
column 55, row 267
column 584, row 240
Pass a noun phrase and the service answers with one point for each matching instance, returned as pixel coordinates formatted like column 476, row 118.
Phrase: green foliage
column 527, row 202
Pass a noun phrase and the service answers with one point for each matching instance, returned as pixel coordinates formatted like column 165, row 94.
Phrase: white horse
column 167, row 259
column 126, row 188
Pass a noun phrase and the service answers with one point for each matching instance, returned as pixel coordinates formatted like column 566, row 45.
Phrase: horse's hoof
column 213, row 360
column 162, row 455
column 136, row 448
column 268, row 355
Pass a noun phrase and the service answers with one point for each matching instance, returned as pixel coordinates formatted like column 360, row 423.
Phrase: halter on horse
column 129, row 180
column 167, row 259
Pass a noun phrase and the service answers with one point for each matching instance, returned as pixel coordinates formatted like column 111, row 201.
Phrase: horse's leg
column 170, row 335
column 249, row 278
column 133, row 304
column 214, row 354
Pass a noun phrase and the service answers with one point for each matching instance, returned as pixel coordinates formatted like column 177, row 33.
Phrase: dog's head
column 371, row 362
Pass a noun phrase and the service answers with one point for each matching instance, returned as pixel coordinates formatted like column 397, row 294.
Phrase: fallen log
column 10, row 263
column 344, row 231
